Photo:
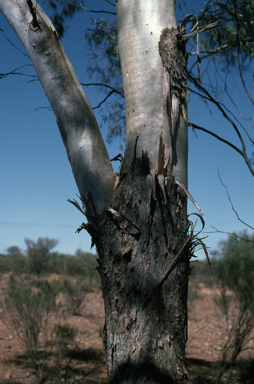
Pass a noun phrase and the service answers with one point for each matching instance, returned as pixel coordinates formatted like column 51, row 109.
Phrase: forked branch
column 81, row 135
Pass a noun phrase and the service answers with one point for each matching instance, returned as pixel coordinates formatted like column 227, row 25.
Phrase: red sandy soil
column 206, row 335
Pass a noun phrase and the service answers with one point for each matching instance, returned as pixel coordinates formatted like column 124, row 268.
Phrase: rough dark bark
column 136, row 240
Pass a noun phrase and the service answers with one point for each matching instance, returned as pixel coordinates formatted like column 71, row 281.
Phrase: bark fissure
column 144, row 343
column 34, row 23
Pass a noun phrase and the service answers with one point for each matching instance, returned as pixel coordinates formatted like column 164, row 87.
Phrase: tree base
column 137, row 239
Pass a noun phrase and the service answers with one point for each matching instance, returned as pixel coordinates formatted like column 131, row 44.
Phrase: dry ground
column 206, row 334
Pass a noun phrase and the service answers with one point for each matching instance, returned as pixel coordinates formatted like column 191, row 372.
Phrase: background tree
column 39, row 253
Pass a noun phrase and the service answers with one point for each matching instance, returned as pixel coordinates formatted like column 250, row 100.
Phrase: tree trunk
column 137, row 239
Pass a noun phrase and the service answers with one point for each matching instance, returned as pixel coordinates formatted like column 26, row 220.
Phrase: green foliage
column 39, row 253
column 76, row 292
column 103, row 36
column 201, row 273
column 223, row 301
column 13, row 261
column 49, row 345
column 82, row 264
column 233, row 35
column 234, row 267
column 41, row 260
column 65, row 333
column 61, row 10
column 105, row 65
column 16, row 264
column 29, row 311
column 193, row 293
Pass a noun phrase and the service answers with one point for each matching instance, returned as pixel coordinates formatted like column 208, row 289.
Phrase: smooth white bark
column 85, row 148
column 146, row 85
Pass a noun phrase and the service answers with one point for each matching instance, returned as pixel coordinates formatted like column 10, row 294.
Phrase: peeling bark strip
column 172, row 52
column 137, row 239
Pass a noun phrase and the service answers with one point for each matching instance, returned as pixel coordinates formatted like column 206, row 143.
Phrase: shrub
column 29, row 312
column 234, row 268
column 76, row 292
column 39, row 253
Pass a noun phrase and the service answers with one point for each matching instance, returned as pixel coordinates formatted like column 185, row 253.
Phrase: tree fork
column 136, row 240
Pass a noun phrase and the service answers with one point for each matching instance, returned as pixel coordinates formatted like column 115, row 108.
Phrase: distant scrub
column 201, row 273
column 38, row 259
column 36, row 304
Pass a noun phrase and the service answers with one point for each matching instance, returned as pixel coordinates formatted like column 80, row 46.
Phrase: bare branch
column 98, row 106
column 23, row 53
column 79, row 5
column 110, row 3
column 231, row 234
column 37, row 109
column 212, row 51
column 200, row 30
column 219, row 106
column 105, row 85
column 232, row 206
column 195, row 126
column 3, row 75
column 222, row 105
column 234, row 104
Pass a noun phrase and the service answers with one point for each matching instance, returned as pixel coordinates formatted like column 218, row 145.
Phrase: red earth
column 206, row 335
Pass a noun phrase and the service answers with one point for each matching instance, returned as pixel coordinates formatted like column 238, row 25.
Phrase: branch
column 210, row 98
column 110, row 2
column 105, row 85
column 195, row 126
column 222, row 105
column 81, row 135
column 234, row 104
column 79, row 5
column 37, row 109
column 23, row 53
column 3, row 75
column 200, row 30
column 212, row 51
column 98, row 106
column 230, row 233
column 232, row 206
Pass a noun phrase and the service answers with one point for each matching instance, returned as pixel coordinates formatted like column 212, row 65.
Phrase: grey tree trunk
column 137, row 239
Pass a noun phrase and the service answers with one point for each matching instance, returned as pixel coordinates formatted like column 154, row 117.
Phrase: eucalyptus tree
column 138, row 217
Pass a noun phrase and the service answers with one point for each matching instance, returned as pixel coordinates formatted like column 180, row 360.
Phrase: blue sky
column 36, row 178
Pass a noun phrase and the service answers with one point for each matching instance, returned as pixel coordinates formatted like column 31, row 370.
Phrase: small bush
column 201, row 273
column 29, row 311
column 234, row 268
column 39, row 253
column 76, row 292
column 65, row 333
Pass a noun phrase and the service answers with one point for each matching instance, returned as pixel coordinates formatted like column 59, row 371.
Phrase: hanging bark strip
column 172, row 51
